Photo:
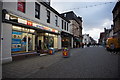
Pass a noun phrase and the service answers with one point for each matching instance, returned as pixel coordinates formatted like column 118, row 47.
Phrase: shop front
column 66, row 39
column 76, row 42
column 23, row 40
column 25, row 35
column 47, row 40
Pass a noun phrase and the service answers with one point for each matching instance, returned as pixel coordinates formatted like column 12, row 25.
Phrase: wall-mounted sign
column 22, row 21
column 29, row 23
column 21, row 5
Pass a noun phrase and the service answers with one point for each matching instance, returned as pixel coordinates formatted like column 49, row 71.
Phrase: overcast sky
column 96, row 17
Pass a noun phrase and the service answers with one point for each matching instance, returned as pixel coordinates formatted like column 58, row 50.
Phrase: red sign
column 21, row 6
column 53, row 30
column 29, row 23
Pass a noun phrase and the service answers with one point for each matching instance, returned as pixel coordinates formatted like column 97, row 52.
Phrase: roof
column 72, row 16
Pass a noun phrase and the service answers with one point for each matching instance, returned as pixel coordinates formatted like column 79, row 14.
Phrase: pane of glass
column 16, row 41
column 30, row 42
column 24, row 41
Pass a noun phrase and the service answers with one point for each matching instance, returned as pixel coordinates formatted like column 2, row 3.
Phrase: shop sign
column 53, row 30
column 22, row 21
column 21, row 5
column 7, row 16
column 29, row 23
column 39, row 26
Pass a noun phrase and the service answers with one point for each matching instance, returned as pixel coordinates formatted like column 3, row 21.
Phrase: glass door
column 24, row 42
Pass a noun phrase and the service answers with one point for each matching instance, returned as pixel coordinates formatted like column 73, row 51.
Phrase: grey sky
column 95, row 18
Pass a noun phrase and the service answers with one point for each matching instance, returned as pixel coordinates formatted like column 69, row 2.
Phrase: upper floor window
column 56, row 20
column 48, row 16
column 37, row 10
column 62, row 24
column 21, row 5
column 67, row 26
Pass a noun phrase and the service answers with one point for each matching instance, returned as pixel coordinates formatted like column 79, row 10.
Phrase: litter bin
column 66, row 52
column 51, row 51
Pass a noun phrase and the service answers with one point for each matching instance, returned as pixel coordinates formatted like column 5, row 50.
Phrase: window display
column 49, row 41
column 23, row 39
column 16, row 41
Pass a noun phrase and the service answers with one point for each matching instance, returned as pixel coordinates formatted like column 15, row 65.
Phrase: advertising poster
column 16, row 41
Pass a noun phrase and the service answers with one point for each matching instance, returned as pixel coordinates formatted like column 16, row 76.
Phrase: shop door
column 24, row 42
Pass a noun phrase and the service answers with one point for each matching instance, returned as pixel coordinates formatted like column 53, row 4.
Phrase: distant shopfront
column 66, row 39
column 76, row 42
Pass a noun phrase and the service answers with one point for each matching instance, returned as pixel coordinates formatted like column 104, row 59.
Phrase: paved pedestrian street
column 88, row 62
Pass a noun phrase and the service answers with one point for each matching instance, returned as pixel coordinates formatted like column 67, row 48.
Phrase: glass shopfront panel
column 16, row 41
column 23, row 39
column 48, row 41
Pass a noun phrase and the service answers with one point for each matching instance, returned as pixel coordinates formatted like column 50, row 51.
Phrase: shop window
column 21, row 5
column 48, row 42
column 37, row 10
column 22, row 39
column 48, row 16
column 16, row 41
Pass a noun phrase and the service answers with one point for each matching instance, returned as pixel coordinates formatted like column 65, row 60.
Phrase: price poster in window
column 16, row 41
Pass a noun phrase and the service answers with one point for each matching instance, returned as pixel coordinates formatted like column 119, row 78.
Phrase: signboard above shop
column 30, row 23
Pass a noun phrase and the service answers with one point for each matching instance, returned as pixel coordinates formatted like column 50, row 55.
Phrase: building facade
column 86, row 39
column 116, row 20
column 101, row 38
column 75, row 28
column 105, row 35
column 29, row 26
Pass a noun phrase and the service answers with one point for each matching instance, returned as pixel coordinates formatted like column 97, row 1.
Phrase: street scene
column 59, row 39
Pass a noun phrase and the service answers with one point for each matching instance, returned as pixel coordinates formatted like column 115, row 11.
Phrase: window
column 56, row 20
column 48, row 16
column 37, row 10
column 21, row 5
column 65, row 25
column 62, row 24
column 64, row 15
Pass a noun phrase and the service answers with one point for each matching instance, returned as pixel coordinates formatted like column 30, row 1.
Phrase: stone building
column 75, row 27
column 116, row 19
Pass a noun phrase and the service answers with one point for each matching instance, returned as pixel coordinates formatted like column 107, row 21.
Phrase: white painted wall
column 6, row 42
column 86, row 39
column 30, row 13
column 0, row 40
